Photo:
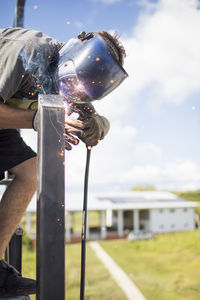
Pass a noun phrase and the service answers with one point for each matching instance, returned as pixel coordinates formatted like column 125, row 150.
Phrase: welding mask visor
column 88, row 70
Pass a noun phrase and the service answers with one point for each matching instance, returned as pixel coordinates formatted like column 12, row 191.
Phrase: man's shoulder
column 26, row 34
column 25, row 55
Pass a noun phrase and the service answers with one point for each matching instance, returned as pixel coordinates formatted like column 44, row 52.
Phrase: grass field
column 99, row 284
column 165, row 268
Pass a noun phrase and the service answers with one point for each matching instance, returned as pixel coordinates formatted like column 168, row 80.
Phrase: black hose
column 84, row 222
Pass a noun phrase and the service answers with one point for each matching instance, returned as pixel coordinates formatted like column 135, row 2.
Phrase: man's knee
column 26, row 171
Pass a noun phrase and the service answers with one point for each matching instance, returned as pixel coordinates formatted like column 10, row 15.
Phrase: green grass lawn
column 165, row 268
column 98, row 284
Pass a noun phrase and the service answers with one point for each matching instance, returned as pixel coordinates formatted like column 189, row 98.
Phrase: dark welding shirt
column 27, row 63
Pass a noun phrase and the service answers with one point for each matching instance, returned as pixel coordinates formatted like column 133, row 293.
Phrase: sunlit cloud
column 182, row 176
column 163, row 53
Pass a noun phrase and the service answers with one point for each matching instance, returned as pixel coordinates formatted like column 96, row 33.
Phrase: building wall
column 169, row 220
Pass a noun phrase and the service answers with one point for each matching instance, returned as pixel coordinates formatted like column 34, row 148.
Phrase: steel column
column 19, row 14
column 15, row 249
column 50, row 200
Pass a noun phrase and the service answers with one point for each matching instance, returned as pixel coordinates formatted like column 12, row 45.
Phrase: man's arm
column 12, row 118
column 90, row 130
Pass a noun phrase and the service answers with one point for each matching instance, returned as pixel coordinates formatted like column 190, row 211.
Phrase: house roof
column 124, row 201
column 129, row 200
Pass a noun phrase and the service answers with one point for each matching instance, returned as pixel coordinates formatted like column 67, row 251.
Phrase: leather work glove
column 73, row 127
column 96, row 127
column 89, row 130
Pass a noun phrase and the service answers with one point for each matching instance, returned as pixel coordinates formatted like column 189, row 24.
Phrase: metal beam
column 50, row 200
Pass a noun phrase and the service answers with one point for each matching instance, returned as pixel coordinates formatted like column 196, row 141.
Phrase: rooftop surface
column 124, row 201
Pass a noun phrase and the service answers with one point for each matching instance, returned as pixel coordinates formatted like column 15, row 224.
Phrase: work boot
column 12, row 283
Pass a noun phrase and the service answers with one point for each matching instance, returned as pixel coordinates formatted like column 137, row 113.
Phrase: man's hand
column 90, row 127
column 73, row 127
column 96, row 127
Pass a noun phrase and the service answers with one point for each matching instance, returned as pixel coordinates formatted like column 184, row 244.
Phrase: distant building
column 120, row 213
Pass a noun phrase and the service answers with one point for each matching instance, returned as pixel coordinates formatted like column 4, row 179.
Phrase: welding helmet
column 88, row 69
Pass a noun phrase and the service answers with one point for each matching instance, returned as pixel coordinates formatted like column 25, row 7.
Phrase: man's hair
column 112, row 40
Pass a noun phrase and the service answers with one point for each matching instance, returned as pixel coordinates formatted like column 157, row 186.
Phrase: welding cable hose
column 35, row 121
column 84, row 225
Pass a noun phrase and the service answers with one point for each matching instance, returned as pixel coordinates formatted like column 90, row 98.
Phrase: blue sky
column 155, row 113
column 52, row 16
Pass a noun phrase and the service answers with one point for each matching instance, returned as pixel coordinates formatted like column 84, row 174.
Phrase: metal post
column 15, row 249
column 19, row 14
column 50, row 200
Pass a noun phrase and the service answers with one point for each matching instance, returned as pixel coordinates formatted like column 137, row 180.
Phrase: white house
column 120, row 213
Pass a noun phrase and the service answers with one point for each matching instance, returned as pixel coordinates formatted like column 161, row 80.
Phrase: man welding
column 84, row 69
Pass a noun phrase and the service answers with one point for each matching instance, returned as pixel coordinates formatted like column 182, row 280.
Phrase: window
column 160, row 211
column 173, row 226
column 161, row 226
column 185, row 209
column 172, row 210
column 186, row 225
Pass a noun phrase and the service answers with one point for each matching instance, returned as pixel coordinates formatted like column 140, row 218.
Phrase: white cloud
column 183, row 176
column 118, row 163
column 163, row 59
column 164, row 52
